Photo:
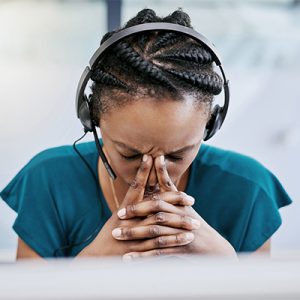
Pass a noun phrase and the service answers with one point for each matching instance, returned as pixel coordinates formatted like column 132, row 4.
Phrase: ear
column 84, row 115
column 214, row 123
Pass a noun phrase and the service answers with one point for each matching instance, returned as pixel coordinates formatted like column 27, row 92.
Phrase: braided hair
column 156, row 64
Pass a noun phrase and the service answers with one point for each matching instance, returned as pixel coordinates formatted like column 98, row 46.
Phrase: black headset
column 82, row 100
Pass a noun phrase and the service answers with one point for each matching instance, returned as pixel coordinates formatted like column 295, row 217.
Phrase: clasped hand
column 164, row 223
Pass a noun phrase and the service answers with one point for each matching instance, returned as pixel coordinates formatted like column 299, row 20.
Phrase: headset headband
column 159, row 26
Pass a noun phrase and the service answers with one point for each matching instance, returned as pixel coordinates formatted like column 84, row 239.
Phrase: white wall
column 45, row 45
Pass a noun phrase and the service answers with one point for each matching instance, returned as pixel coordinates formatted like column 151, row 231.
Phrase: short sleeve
column 37, row 223
column 264, row 218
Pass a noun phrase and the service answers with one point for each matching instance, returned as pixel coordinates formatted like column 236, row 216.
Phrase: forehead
column 150, row 123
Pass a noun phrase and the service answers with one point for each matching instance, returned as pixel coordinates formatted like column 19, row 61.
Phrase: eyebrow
column 139, row 152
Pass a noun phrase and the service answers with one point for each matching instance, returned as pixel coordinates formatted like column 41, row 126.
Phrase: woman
column 172, row 194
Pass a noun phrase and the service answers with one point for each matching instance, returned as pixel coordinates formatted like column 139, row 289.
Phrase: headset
column 82, row 100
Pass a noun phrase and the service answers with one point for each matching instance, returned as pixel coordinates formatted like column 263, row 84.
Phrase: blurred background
column 45, row 45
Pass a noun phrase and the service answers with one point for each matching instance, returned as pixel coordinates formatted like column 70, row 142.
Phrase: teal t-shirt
column 59, row 201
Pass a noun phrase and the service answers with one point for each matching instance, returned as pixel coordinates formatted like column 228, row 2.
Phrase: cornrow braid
column 143, row 40
column 165, row 40
column 209, row 83
column 191, row 53
column 168, row 39
column 179, row 17
column 127, row 54
column 99, row 76
column 144, row 16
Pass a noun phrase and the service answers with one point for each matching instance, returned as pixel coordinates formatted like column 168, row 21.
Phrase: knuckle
column 180, row 193
column 127, row 233
column 160, row 218
column 143, row 168
column 180, row 239
column 160, row 241
column 145, row 165
column 136, row 185
column 161, row 169
column 181, row 197
column 154, row 230
column 184, row 221
column 131, row 209
column 167, row 183
column 157, row 204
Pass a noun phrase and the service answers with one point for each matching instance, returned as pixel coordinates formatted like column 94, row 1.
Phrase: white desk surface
column 160, row 278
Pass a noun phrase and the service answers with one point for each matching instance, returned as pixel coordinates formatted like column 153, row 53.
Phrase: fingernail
column 145, row 157
column 196, row 223
column 189, row 236
column 191, row 200
column 162, row 159
column 127, row 257
column 122, row 213
column 117, row 232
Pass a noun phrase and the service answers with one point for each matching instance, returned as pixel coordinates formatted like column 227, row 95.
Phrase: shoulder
column 55, row 196
column 228, row 160
column 59, row 157
column 233, row 166
column 49, row 169
column 230, row 177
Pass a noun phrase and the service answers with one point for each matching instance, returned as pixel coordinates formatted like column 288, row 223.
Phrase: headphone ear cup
column 214, row 123
column 84, row 115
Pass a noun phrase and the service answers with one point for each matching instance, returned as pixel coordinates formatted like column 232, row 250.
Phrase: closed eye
column 134, row 157
column 139, row 156
column 173, row 157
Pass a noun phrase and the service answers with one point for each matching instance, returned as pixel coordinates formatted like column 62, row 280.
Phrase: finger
column 164, row 241
column 164, row 180
column 157, row 252
column 146, row 208
column 155, row 203
column 143, row 232
column 136, row 190
column 174, row 197
column 172, row 220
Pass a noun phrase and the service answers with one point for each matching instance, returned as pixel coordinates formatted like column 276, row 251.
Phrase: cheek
column 125, row 170
column 177, row 169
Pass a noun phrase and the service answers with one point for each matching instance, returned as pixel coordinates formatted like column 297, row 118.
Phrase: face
column 171, row 128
